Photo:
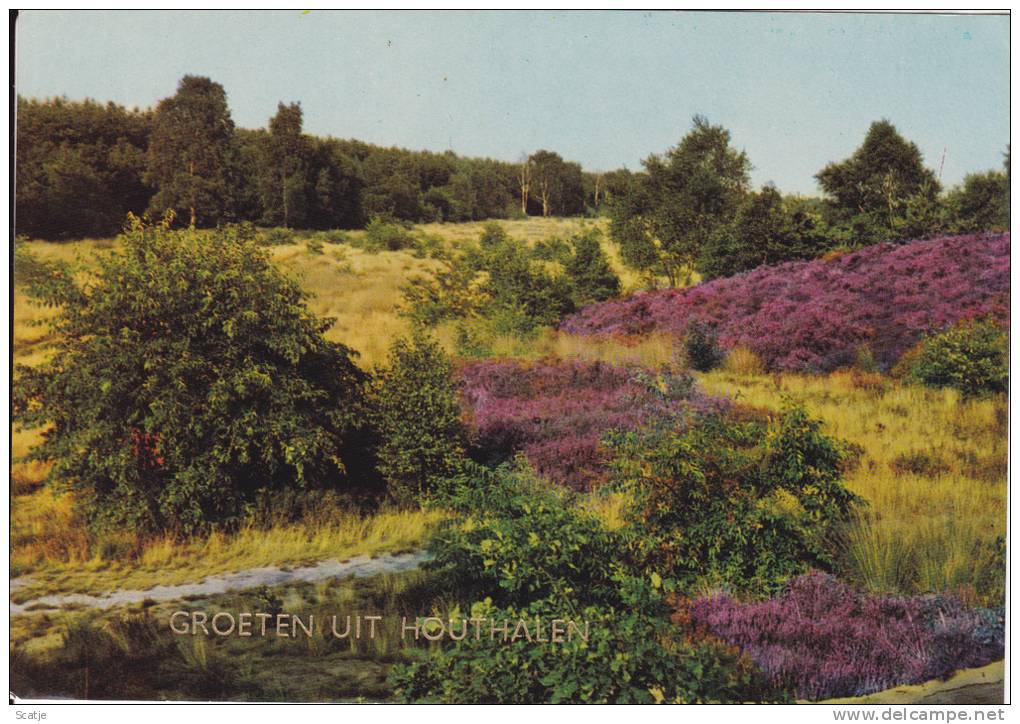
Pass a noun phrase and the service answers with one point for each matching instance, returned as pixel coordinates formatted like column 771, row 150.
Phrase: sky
column 606, row 88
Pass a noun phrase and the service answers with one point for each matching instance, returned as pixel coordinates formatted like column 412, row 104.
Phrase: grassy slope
column 362, row 292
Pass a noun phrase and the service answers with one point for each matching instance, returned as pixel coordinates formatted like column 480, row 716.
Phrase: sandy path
column 359, row 567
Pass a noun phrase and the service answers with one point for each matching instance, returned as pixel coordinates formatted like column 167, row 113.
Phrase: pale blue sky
column 603, row 88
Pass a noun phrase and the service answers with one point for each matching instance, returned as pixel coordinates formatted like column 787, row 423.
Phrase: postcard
column 510, row 357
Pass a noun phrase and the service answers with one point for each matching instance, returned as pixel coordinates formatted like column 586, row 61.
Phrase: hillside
column 817, row 315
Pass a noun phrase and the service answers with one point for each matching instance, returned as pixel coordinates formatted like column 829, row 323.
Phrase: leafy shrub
column 589, row 272
column 740, row 504
column 418, row 418
column 497, row 280
column 556, row 413
column 194, row 376
column 243, row 230
column 386, row 236
column 552, row 249
column 629, row 658
column 972, row 357
column 542, row 558
column 807, row 316
column 332, row 236
column 823, row 639
column 277, row 236
column 701, row 349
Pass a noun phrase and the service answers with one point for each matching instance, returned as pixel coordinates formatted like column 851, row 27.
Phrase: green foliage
column 80, row 167
column 557, row 184
column 284, row 181
column 422, row 438
column 870, row 192
column 187, row 377
column 972, row 357
column 766, row 230
column 278, row 235
column 552, row 249
column 981, row 203
column 192, row 133
column 669, row 214
column 740, row 505
column 542, row 559
column 499, row 281
column 383, row 235
column 630, row 657
column 518, row 541
column 589, row 272
column 701, row 348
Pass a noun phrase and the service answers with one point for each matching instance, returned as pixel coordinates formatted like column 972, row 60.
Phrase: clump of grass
column 915, row 536
column 742, row 361
column 923, row 463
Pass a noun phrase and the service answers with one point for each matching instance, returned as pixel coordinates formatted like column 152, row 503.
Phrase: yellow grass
column 168, row 561
column 650, row 351
column 919, row 533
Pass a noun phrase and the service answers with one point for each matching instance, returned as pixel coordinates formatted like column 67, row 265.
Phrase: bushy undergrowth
column 823, row 639
column 382, row 235
column 741, row 505
column 972, row 357
column 417, row 418
column 556, row 413
column 188, row 377
column 815, row 316
column 542, row 559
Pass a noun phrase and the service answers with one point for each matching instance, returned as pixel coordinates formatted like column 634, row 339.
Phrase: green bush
column 332, row 236
column 277, row 236
column 421, row 434
column 741, row 505
column 519, row 541
column 701, row 349
column 383, row 235
column 187, row 376
column 972, row 357
column 589, row 272
column 552, row 249
column 630, row 657
column 533, row 555
column 497, row 280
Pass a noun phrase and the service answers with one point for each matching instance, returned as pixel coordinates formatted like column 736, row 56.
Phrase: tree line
column 81, row 166
column 692, row 209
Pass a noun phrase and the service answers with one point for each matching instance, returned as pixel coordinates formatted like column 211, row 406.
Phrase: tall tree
column 870, row 191
column 668, row 214
column 286, row 170
column 189, row 151
column 524, row 172
column 558, row 183
column 766, row 230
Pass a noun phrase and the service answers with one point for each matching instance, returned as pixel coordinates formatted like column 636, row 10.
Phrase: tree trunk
column 191, row 172
column 524, row 179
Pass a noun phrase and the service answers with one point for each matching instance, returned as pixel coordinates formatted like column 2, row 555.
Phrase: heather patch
column 820, row 638
column 817, row 315
column 557, row 412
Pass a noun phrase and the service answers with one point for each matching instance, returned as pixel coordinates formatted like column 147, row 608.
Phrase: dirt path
column 359, row 567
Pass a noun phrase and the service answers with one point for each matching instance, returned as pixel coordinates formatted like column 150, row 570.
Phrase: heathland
column 927, row 465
